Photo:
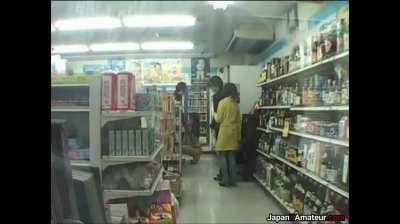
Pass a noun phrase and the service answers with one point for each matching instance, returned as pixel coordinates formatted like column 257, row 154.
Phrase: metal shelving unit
column 307, row 68
column 315, row 137
column 93, row 109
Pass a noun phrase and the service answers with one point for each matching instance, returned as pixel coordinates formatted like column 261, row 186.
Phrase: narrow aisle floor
column 204, row 201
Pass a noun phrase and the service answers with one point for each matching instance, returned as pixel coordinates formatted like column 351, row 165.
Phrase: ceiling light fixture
column 167, row 45
column 114, row 47
column 52, row 28
column 220, row 4
column 63, row 49
column 159, row 20
column 89, row 23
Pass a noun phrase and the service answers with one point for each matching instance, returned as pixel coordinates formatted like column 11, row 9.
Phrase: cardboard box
column 125, row 91
column 118, row 141
column 124, row 142
column 107, row 91
column 131, row 145
column 111, row 141
column 138, row 142
column 145, row 141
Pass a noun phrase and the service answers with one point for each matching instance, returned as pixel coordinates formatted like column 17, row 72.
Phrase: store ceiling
column 211, row 33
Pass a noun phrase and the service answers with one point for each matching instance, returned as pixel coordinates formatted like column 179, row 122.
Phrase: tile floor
column 204, row 201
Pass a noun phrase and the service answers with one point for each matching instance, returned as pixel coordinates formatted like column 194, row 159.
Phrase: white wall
column 246, row 77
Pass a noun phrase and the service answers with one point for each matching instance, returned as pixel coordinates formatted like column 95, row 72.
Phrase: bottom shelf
column 283, row 203
column 115, row 194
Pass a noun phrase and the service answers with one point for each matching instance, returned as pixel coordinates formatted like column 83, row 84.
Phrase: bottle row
column 315, row 90
column 324, row 125
column 327, row 161
column 131, row 142
column 302, row 193
column 330, row 39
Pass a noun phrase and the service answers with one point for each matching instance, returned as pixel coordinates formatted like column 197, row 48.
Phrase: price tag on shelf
column 285, row 131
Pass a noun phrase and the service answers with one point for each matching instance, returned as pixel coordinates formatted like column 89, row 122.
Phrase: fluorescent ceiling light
column 62, row 49
column 52, row 28
column 114, row 47
column 88, row 23
column 159, row 20
column 167, row 45
column 220, row 4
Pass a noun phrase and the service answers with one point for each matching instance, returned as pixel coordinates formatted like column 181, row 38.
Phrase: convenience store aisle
column 204, row 201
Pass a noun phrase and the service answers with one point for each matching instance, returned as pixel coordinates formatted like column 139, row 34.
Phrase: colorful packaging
column 107, row 91
column 125, row 91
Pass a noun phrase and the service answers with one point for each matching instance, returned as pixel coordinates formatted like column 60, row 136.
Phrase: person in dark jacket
column 190, row 144
column 215, row 84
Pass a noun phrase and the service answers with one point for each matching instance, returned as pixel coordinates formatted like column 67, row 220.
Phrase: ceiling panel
column 211, row 33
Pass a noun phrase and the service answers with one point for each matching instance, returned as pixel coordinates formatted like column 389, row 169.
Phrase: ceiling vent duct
column 250, row 39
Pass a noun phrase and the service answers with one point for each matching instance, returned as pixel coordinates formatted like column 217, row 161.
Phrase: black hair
column 231, row 90
column 216, row 81
column 181, row 86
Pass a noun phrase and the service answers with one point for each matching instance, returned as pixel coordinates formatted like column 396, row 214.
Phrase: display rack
column 316, row 68
column 93, row 109
column 177, row 154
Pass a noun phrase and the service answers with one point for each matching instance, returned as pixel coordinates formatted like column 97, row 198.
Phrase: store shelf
column 317, row 138
column 70, row 109
column 263, row 153
column 80, row 162
column 274, row 107
column 307, row 68
column 283, row 203
column 321, row 108
column 312, row 175
column 70, row 85
column 115, row 160
column 264, row 130
column 115, row 194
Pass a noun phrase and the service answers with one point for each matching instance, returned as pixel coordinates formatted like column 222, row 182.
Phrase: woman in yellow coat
column 228, row 141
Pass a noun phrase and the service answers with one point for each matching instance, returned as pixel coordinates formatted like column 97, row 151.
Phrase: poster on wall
column 166, row 71
column 200, row 70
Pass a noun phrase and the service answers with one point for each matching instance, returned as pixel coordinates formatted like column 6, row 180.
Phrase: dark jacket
column 216, row 98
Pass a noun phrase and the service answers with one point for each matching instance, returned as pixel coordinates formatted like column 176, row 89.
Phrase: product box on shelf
column 138, row 142
column 131, row 144
column 125, row 91
column 107, row 91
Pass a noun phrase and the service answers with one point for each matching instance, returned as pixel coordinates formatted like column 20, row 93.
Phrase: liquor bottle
column 332, row 93
column 324, row 164
column 320, row 47
column 297, row 95
column 345, row 91
column 311, row 93
column 317, row 90
column 330, row 40
column 340, row 36
column 345, row 169
column 305, row 93
column 314, row 49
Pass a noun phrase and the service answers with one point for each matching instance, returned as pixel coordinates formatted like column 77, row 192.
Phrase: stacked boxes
column 118, row 91
column 131, row 142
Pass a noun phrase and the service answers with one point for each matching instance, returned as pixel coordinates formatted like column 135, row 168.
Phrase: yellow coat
column 228, row 116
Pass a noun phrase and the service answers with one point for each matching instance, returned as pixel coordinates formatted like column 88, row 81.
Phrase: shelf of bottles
column 303, row 138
